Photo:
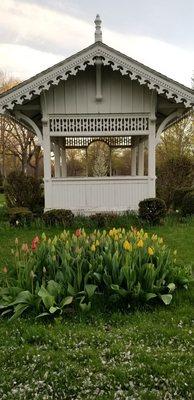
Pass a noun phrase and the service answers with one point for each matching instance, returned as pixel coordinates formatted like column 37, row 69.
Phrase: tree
column 100, row 167
column 98, row 152
column 18, row 148
column 175, row 159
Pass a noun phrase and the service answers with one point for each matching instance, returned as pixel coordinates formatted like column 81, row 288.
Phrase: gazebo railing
column 99, row 124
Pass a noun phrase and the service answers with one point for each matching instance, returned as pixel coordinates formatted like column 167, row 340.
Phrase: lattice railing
column 83, row 142
column 99, row 124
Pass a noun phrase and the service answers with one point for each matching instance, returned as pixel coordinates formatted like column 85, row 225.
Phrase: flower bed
column 77, row 270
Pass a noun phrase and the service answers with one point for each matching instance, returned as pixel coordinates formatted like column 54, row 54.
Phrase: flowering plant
column 74, row 268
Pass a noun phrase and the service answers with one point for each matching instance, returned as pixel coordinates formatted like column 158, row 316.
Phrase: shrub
column 58, row 217
column 107, row 220
column 152, row 210
column 171, row 174
column 4, row 215
column 23, row 191
column 187, row 207
column 179, row 194
column 20, row 216
column 103, row 219
column 76, row 270
column 1, row 179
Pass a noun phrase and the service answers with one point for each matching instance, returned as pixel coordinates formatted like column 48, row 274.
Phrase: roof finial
column 98, row 32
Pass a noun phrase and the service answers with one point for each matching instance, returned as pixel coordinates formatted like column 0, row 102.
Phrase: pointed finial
column 98, row 31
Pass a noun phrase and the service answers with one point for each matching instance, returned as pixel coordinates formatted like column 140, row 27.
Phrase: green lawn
column 139, row 355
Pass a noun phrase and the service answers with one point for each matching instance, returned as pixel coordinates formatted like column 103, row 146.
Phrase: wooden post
column 63, row 160
column 110, row 163
column 57, row 161
column 86, row 161
column 47, row 150
column 141, row 158
column 152, row 147
column 151, row 160
column 47, row 165
column 63, row 163
column 133, row 157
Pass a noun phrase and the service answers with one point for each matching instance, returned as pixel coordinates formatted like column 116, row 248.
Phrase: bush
column 171, row 174
column 23, row 191
column 187, row 207
column 152, row 210
column 4, row 215
column 1, row 179
column 58, row 217
column 107, row 220
column 179, row 194
column 20, row 216
column 78, row 270
column 103, row 219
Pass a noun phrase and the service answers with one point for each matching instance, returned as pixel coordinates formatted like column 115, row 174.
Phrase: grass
column 146, row 354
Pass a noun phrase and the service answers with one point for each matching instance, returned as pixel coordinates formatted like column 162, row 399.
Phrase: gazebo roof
column 154, row 80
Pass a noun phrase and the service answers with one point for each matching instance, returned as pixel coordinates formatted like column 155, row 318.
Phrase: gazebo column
column 57, row 160
column 47, row 150
column 86, row 161
column 151, row 160
column 141, row 158
column 63, row 160
column 47, row 164
column 64, row 163
column 110, row 163
column 133, row 157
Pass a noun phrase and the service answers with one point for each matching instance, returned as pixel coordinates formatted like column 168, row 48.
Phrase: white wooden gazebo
column 98, row 93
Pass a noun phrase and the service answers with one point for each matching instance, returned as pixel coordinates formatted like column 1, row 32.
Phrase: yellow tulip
column 154, row 238
column 140, row 243
column 150, row 251
column 145, row 236
column 93, row 247
column 97, row 242
column 127, row 245
column 160, row 240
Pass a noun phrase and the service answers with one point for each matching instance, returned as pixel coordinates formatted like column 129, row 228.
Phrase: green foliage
column 179, row 195
column 58, row 217
column 152, row 210
column 1, row 179
column 3, row 213
column 20, row 216
column 187, row 207
column 77, row 270
column 107, row 220
column 172, row 174
column 24, row 191
column 102, row 220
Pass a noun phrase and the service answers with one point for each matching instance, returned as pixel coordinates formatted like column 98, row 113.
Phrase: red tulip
column 35, row 242
column 78, row 232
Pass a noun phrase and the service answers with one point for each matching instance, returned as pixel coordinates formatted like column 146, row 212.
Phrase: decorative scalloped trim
column 87, row 57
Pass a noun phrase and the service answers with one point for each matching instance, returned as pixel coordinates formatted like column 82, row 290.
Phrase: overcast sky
column 35, row 34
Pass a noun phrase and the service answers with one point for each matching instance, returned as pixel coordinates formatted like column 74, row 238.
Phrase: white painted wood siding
column 77, row 95
column 96, row 194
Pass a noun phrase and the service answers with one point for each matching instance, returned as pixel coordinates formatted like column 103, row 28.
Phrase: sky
column 36, row 34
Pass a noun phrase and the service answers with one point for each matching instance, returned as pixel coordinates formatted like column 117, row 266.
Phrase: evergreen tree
column 100, row 167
